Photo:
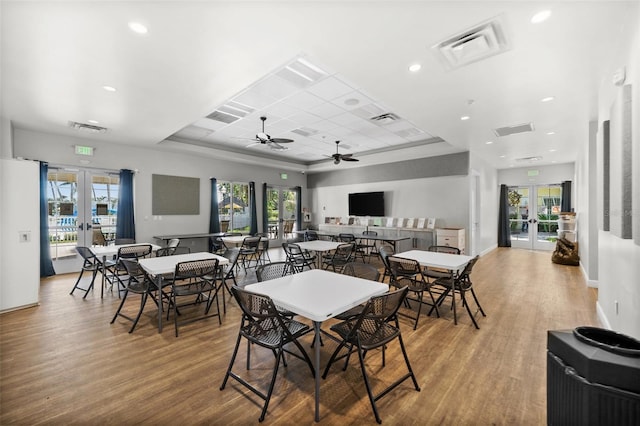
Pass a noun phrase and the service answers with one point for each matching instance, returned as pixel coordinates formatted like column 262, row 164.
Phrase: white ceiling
column 198, row 56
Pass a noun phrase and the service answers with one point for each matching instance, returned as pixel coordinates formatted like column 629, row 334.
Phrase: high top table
column 159, row 266
column 318, row 295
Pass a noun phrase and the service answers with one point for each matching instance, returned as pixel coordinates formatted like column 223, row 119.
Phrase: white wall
column 547, row 175
column 59, row 150
column 489, row 195
column 19, row 216
column 619, row 259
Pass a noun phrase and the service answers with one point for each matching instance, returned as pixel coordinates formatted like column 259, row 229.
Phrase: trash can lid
column 608, row 340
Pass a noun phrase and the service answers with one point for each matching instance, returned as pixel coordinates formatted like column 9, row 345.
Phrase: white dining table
column 452, row 262
column 102, row 252
column 318, row 295
column 160, row 266
column 319, row 246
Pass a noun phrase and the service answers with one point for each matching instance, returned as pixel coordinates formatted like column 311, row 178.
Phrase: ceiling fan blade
column 281, row 140
column 251, row 145
column 277, row 147
column 349, row 158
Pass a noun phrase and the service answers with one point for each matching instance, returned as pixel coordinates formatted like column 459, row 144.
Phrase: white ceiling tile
column 281, row 109
column 326, row 110
column 274, row 87
column 303, row 100
column 210, row 124
column 255, row 99
column 330, row 88
column 352, row 100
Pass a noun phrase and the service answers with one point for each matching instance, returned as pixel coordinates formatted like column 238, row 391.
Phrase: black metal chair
column 342, row 255
column 373, row 329
column 264, row 326
column 139, row 283
column 385, row 251
column 196, row 280
column 249, row 252
column 435, row 273
column 270, row 271
column 360, row 270
column 351, row 239
column 217, row 245
column 228, row 272
column 297, row 258
column 114, row 268
column 92, row 264
column 367, row 247
column 460, row 283
column 407, row 272
column 310, row 235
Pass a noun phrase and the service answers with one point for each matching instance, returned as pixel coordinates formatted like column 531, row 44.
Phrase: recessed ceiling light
column 488, row 142
column 351, row 101
column 547, row 99
column 503, row 156
column 93, row 121
column 553, row 150
column 415, row 67
column 551, row 133
column 541, row 16
column 137, row 27
column 109, row 88
column 464, row 117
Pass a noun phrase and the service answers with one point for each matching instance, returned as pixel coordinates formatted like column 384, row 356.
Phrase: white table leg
column 316, row 327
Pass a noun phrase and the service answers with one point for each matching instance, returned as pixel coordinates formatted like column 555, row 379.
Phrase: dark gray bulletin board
column 175, row 195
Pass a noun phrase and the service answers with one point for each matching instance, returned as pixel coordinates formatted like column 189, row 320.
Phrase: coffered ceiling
column 204, row 72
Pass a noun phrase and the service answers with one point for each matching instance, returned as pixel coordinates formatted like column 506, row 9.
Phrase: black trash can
column 593, row 377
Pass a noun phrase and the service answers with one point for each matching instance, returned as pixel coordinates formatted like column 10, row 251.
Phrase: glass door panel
column 281, row 214
column 80, row 204
column 233, row 207
column 533, row 216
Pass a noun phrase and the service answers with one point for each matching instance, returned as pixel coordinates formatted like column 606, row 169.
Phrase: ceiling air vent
column 301, row 72
column 89, row 128
column 528, row 159
column 474, row 44
column 230, row 112
column 512, row 130
column 304, row 131
column 386, row 118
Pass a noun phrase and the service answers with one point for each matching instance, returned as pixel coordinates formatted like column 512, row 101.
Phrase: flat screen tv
column 366, row 204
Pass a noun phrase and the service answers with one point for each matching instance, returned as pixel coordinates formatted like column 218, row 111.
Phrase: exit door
column 533, row 216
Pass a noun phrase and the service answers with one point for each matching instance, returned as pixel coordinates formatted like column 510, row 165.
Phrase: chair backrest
column 310, row 235
column 346, row 238
column 255, row 306
column 384, row 307
column 181, row 250
column 251, row 243
column 401, row 267
column 98, row 237
column 86, row 254
column 164, row 251
column 173, row 242
column 445, row 249
column 270, row 271
column 119, row 241
column 134, row 270
column 195, row 269
column 463, row 280
column 385, row 251
column 343, row 254
column 233, row 234
column 134, row 252
column 216, row 244
column 361, row 270
column 232, row 255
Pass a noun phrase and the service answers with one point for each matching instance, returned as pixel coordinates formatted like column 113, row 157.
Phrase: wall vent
column 474, row 44
column 512, row 130
column 84, row 127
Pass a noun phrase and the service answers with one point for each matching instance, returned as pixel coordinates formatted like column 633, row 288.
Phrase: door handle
column 89, row 226
column 81, row 226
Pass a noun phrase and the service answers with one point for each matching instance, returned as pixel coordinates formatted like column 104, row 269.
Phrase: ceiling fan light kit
column 263, row 138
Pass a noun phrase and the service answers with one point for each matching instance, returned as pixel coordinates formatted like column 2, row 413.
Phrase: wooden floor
column 63, row 363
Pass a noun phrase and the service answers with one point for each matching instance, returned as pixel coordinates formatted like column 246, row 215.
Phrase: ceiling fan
column 264, row 139
column 337, row 157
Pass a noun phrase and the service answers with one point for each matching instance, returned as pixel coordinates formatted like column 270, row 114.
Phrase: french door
column 81, row 204
column 281, row 213
column 533, row 215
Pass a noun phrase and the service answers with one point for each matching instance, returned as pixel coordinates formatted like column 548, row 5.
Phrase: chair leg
column 89, row 288
column 233, row 358
column 368, row 386
column 143, row 301
column 120, row 307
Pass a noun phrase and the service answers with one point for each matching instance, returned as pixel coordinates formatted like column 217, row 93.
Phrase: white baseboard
column 602, row 317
